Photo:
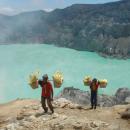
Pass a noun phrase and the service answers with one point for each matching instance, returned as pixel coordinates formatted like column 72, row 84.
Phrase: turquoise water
column 18, row 61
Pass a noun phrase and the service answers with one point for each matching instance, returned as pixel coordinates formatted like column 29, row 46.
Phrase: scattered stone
column 20, row 117
column 35, row 107
column 63, row 105
column 30, row 119
column 77, row 126
column 39, row 114
column 27, row 114
column 93, row 125
column 126, row 114
column 11, row 126
column 55, row 115
column 26, row 107
column 72, row 106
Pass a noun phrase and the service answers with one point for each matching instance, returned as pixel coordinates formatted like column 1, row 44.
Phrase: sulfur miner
column 47, row 93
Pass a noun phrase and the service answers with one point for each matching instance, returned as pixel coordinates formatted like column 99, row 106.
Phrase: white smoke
column 7, row 10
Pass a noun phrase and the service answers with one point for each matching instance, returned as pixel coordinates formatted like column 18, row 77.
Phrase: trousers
column 49, row 103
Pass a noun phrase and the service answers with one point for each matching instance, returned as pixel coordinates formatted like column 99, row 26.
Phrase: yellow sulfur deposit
column 103, row 83
column 33, row 80
column 57, row 79
column 87, row 80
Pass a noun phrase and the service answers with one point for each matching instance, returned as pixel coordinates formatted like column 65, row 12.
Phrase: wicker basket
column 57, row 79
column 33, row 80
column 87, row 81
column 34, row 85
column 103, row 83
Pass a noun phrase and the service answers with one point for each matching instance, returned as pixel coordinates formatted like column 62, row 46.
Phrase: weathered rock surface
column 83, row 97
column 122, row 94
column 127, row 100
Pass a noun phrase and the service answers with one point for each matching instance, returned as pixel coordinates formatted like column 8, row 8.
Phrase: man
column 47, row 93
column 94, row 89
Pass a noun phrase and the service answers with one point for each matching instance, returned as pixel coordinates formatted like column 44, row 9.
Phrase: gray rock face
column 122, row 94
column 106, row 101
column 83, row 97
column 127, row 100
column 76, row 95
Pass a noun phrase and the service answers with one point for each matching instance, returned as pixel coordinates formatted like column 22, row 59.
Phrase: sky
column 11, row 7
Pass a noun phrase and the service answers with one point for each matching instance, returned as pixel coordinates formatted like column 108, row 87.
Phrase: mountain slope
column 103, row 28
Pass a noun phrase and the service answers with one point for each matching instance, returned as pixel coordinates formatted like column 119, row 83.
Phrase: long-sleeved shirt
column 47, row 90
column 95, row 87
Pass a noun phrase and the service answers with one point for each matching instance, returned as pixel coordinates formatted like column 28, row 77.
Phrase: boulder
column 122, row 94
column 83, row 97
column 75, row 95
column 127, row 100
column 126, row 114
column 20, row 117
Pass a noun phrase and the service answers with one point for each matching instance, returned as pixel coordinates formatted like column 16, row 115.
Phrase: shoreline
column 102, row 54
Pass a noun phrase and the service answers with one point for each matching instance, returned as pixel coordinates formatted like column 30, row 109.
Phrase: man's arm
column 51, row 91
column 98, row 84
column 40, row 82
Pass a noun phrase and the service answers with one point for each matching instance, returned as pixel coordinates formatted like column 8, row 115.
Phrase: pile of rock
column 122, row 96
column 75, row 95
column 63, row 103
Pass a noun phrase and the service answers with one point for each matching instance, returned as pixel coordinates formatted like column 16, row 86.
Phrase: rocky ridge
column 122, row 96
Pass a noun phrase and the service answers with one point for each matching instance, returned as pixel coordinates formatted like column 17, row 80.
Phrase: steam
column 21, row 28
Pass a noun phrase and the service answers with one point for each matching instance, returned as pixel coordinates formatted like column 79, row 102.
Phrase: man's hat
column 94, row 80
column 45, row 76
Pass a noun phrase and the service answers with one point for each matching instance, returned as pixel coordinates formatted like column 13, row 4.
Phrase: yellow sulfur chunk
column 87, row 80
column 103, row 83
column 57, row 79
column 33, row 78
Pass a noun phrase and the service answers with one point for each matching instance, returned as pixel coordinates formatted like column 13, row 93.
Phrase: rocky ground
column 27, row 114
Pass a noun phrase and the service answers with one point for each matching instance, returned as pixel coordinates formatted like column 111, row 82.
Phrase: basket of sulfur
column 103, row 83
column 57, row 79
column 87, row 80
column 33, row 80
